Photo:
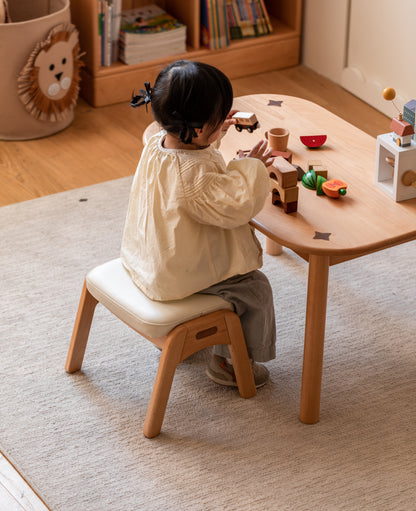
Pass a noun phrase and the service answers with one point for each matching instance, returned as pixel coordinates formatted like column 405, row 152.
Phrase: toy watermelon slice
column 309, row 180
column 313, row 141
column 320, row 180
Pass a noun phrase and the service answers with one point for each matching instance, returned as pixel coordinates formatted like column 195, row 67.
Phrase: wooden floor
column 15, row 493
column 105, row 143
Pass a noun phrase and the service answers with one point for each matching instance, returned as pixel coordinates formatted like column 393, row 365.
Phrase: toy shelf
column 104, row 85
column 389, row 175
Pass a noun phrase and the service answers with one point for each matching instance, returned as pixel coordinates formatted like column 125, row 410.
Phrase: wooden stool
column 178, row 327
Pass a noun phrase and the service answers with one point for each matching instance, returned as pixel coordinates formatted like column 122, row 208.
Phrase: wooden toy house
column 402, row 131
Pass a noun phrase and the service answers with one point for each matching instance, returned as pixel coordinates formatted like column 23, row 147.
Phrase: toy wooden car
column 246, row 121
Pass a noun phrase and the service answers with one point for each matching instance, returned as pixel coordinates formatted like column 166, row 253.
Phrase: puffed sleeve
column 229, row 199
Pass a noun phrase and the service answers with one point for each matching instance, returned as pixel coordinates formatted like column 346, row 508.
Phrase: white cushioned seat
column 111, row 285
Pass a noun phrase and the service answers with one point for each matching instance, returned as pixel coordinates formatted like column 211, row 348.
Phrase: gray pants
column 252, row 297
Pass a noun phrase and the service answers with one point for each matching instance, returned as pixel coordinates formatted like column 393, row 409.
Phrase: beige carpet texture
column 78, row 438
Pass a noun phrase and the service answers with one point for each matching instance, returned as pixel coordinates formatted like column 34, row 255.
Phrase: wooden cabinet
column 114, row 84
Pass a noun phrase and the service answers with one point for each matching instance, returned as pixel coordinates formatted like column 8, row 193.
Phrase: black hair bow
column 185, row 128
column 143, row 98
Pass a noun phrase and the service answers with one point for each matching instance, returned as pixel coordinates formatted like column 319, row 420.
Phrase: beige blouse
column 187, row 221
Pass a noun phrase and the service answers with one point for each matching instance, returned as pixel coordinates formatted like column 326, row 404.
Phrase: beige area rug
column 78, row 438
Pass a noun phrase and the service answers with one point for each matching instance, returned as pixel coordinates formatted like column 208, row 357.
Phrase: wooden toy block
column 312, row 163
column 409, row 110
column 300, row 172
column 288, row 207
column 319, row 169
column 287, row 197
column 286, row 194
column 290, row 194
column 287, row 155
column 284, row 172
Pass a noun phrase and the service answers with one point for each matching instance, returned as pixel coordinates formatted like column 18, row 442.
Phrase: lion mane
column 48, row 84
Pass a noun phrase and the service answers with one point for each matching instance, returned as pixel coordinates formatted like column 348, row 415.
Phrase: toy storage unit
column 390, row 178
column 31, row 23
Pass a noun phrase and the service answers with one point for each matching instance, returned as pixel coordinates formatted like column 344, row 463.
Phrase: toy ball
column 389, row 93
column 309, row 180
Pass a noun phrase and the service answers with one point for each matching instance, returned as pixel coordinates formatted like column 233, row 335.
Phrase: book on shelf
column 149, row 33
column 214, row 27
column 109, row 12
column 247, row 18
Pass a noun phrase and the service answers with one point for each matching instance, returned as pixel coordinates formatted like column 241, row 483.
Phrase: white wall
column 323, row 40
column 364, row 45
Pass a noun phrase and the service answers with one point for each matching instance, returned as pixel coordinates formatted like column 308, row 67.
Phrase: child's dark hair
column 188, row 95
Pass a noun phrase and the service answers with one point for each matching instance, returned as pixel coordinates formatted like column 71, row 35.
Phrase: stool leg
column 170, row 358
column 239, row 356
column 81, row 331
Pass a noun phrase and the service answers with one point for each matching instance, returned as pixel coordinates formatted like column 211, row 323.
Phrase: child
column 187, row 227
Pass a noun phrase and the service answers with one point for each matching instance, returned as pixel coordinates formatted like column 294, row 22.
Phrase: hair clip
column 143, row 98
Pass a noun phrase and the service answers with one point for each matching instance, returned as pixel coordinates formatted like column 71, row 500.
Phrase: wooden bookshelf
column 105, row 85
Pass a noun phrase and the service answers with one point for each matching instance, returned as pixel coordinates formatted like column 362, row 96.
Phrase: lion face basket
column 40, row 62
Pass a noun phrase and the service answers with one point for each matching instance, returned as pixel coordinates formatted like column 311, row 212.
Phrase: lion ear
column 40, row 58
column 72, row 41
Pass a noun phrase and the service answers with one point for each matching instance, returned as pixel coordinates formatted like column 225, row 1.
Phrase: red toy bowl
column 313, row 141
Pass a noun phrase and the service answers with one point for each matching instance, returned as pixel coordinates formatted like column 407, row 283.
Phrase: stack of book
column 149, row 33
column 223, row 20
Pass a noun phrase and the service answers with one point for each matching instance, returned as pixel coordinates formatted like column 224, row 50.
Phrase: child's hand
column 229, row 121
column 260, row 152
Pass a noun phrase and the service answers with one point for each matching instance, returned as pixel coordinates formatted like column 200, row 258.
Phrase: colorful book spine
column 206, row 28
column 259, row 21
column 115, row 29
column 101, row 29
column 266, row 16
column 243, row 10
column 223, row 32
column 247, row 18
column 214, row 25
column 108, row 23
column 224, row 20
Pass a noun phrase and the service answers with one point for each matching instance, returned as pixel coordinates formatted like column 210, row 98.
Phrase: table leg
column 314, row 338
column 273, row 248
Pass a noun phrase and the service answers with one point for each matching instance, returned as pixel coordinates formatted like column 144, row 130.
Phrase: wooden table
column 323, row 231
